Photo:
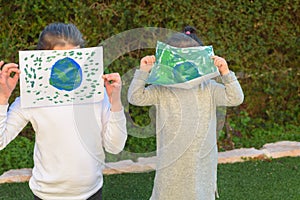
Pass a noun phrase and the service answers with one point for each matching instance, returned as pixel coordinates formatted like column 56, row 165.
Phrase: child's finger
column 8, row 66
column 10, row 70
column 148, row 60
column 114, row 77
column 115, row 85
column 152, row 59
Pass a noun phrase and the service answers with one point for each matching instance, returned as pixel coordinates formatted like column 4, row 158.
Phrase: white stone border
column 268, row 151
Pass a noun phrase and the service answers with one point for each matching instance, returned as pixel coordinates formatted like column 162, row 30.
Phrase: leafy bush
column 18, row 154
column 259, row 39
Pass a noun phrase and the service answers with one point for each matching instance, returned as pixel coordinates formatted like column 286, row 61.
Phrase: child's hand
column 221, row 64
column 8, row 82
column 113, row 85
column 147, row 63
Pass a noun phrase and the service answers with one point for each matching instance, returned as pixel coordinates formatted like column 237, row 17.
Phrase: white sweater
column 68, row 151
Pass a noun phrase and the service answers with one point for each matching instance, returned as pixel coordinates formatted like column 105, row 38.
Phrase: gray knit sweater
column 186, row 134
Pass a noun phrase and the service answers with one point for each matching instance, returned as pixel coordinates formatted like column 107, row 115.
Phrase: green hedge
column 259, row 39
column 18, row 154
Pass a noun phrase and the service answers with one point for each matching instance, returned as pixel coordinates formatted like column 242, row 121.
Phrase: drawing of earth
column 66, row 74
column 185, row 71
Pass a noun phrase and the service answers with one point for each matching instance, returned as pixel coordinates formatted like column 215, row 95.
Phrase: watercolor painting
column 61, row 77
column 175, row 66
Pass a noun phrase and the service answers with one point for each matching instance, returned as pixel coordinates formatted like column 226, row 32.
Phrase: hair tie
column 188, row 33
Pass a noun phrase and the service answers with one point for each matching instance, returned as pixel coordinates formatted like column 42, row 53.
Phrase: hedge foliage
column 259, row 39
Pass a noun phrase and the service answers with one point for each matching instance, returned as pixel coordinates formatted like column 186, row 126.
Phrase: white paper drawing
column 61, row 77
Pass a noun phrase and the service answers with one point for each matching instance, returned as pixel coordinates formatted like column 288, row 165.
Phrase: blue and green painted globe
column 66, row 74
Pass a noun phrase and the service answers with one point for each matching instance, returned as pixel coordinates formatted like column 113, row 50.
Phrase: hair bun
column 191, row 32
column 189, row 29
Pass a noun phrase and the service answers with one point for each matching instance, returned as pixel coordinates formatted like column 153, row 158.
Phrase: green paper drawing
column 61, row 77
column 175, row 66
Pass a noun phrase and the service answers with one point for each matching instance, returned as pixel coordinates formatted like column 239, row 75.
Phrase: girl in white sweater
column 68, row 151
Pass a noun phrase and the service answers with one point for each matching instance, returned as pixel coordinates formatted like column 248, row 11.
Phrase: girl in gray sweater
column 187, row 154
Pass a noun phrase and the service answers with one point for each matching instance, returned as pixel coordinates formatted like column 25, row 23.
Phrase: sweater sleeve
column 12, row 121
column 114, row 131
column 229, row 94
column 139, row 94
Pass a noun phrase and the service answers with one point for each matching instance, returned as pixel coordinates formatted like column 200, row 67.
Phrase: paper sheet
column 182, row 67
column 61, row 77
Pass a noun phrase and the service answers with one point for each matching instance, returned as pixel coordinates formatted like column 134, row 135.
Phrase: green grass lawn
column 276, row 179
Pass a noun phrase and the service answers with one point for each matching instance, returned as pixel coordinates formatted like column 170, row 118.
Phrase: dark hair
column 191, row 31
column 59, row 34
column 187, row 38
